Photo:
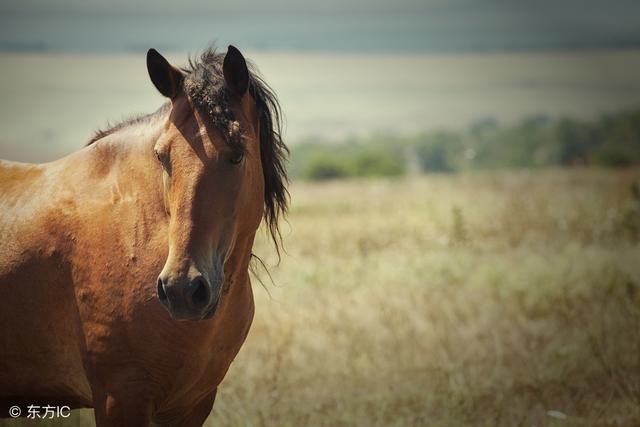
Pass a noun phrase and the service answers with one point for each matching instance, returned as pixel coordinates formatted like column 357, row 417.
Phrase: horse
column 124, row 266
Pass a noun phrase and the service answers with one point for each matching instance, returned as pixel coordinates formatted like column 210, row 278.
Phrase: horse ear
column 165, row 77
column 236, row 74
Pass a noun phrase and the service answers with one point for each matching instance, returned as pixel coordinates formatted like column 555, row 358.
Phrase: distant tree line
column 536, row 142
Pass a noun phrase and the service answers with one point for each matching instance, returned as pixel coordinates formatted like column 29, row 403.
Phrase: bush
column 536, row 142
column 352, row 161
column 378, row 163
column 436, row 152
column 614, row 157
column 322, row 166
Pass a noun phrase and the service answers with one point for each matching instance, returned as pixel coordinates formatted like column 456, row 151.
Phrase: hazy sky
column 596, row 8
column 325, row 25
column 160, row 6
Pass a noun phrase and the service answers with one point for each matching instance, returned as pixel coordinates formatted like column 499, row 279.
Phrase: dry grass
column 447, row 301
column 482, row 300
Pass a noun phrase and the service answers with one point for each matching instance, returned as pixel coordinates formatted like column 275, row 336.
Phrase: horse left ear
column 164, row 76
column 236, row 74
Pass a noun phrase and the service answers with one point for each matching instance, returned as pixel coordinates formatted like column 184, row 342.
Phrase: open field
column 468, row 300
column 449, row 300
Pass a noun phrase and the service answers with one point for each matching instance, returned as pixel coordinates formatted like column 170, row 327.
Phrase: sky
column 596, row 9
column 327, row 25
column 164, row 6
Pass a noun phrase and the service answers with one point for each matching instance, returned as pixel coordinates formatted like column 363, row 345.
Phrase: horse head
column 218, row 173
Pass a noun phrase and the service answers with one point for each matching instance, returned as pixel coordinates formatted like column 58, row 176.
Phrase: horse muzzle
column 189, row 298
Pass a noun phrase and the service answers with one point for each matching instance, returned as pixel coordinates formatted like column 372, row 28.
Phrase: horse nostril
column 162, row 295
column 199, row 292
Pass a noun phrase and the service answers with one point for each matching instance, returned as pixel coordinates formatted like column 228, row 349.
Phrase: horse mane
column 204, row 83
column 141, row 118
column 273, row 153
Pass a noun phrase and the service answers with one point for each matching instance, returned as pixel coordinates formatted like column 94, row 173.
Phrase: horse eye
column 236, row 158
column 163, row 158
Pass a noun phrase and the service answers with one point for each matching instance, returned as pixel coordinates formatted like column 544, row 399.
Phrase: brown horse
column 124, row 266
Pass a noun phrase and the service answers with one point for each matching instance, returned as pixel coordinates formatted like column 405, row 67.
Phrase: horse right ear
column 165, row 77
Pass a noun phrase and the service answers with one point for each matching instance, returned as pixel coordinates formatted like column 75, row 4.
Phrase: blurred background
column 457, row 77
column 463, row 240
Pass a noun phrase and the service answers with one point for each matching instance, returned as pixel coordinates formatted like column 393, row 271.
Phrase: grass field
column 468, row 300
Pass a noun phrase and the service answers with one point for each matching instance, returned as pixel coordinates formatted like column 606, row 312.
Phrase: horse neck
column 141, row 133
column 119, row 167
column 129, row 149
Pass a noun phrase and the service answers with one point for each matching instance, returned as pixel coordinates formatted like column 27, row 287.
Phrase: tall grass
column 492, row 299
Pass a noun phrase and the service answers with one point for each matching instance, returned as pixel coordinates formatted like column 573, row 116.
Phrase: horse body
column 37, row 299
column 84, row 239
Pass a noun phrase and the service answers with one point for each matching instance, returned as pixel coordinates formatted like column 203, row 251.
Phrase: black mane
column 204, row 84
